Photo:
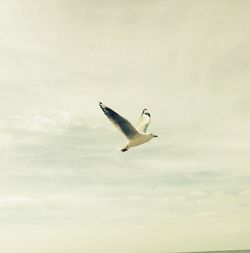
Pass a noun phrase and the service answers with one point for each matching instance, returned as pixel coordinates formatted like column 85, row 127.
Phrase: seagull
column 135, row 135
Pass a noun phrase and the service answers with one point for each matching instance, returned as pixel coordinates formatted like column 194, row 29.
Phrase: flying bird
column 135, row 135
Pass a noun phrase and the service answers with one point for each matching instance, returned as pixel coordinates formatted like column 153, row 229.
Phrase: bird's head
column 153, row 135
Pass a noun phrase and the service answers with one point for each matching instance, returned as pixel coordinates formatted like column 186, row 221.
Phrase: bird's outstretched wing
column 144, row 121
column 121, row 123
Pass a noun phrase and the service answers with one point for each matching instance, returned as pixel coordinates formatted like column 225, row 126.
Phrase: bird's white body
column 135, row 135
column 141, row 138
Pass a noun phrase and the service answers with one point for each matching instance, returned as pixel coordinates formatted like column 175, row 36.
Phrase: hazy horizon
column 65, row 187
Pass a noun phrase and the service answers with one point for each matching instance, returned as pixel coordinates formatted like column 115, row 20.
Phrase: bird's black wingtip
column 145, row 112
column 101, row 105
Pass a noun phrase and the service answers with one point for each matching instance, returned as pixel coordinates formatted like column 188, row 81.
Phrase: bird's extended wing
column 121, row 123
column 144, row 121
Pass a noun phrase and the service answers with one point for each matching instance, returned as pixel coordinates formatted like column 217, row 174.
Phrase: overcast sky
column 64, row 185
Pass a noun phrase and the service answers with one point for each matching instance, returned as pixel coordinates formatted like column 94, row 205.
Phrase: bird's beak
column 155, row 135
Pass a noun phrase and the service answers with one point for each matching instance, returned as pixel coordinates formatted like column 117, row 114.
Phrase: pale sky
column 64, row 185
